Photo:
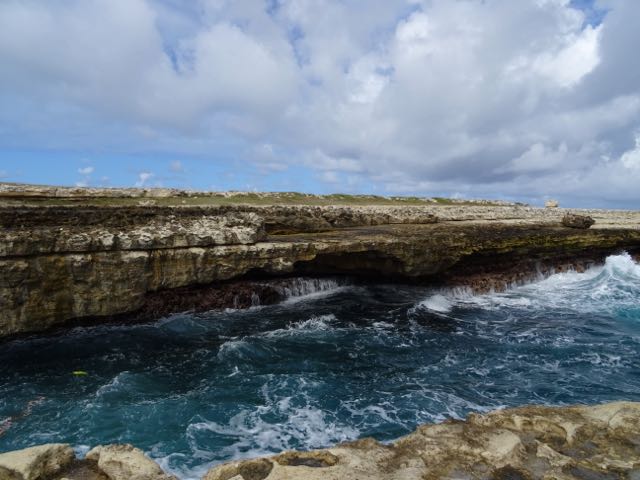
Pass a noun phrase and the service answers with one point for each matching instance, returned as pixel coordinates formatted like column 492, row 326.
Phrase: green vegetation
column 116, row 197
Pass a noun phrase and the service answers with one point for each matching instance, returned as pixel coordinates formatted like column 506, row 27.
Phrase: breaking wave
column 341, row 363
column 612, row 286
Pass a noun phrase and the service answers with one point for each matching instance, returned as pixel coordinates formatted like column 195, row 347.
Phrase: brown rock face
column 598, row 442
column 572, row 220
column 73, row 262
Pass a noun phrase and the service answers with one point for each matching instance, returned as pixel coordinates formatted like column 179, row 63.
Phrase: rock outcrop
column 532, row 442
column 36, row 463
column 572, row 220
column 125, row 462
column 58, row 462
column 600, row 442
column 68, row 263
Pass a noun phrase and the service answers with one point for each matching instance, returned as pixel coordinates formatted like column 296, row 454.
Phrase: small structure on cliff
column 551, row 204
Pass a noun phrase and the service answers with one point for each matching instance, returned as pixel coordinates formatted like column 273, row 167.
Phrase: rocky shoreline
column 72, row 263
column 579, row 442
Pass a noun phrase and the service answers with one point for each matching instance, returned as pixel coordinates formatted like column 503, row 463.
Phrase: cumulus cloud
column 143, row 178
column 484, row 98
column 85, row 172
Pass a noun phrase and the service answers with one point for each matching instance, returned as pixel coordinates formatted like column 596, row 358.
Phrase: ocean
column 337, row 361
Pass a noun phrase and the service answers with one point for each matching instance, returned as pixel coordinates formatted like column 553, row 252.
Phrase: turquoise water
column 346, row 362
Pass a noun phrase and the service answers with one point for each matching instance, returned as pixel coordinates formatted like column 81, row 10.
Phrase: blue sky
column 523, row 100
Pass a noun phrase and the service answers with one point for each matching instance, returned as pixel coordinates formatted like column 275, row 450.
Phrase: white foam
column 235, row 348
column 304, row 289
column 282, row 422
column 437, row 303
column 115, row 384
column 320, row 322
column 616, row 284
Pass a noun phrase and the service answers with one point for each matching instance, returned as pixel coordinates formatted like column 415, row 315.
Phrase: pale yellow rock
column 125, row 462
column 35, row 463
column 521, row 443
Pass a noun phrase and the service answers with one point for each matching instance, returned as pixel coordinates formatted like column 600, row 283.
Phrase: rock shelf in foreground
column 599, row 442
column 582, row 442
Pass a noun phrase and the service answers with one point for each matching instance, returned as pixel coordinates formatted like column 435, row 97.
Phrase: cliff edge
column 80, row 257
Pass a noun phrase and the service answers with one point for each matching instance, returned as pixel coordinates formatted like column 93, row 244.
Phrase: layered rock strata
column 60, row 264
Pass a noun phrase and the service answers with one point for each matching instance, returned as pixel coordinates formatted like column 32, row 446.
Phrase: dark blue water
column 353, row 361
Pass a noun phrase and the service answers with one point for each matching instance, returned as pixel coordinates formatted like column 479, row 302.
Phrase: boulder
column 35, row 463
column 125, row 462
column 572, row 220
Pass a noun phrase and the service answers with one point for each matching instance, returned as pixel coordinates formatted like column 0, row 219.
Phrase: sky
column 517, row 100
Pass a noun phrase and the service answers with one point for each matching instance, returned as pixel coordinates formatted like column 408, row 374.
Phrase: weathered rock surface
column 193, row 228
column 61, row 263
column 58, row 462
column 572, row 220
column 125, row 462
column 600, row 442
column 35, row 463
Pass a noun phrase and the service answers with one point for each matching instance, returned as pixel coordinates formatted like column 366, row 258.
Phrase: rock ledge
column 599, row 442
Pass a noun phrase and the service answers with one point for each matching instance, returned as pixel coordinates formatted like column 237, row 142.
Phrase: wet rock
column 125, row 462
column 572, row 220
column 517, row 444
column 35, row 463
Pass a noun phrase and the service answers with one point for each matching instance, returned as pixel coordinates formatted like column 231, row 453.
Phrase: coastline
column 519, row 443
column 92, row 262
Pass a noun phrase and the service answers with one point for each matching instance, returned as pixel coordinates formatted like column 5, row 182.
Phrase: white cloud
column 143, row 178
column 428, row 96
column 86, row 170
column 631, row 158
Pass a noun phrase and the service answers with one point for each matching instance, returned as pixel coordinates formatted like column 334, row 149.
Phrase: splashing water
column 351, row 361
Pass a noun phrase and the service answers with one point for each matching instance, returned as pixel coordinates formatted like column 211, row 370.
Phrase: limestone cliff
column 64, row 262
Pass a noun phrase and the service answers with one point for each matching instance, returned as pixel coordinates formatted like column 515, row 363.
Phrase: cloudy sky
column 521, row 100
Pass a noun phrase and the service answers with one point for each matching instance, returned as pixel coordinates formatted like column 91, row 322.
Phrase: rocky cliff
column 94, row 261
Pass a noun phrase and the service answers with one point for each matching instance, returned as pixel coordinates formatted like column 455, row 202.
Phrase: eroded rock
column 572, row 220
column 35, row 463
column 125, row 462
column 61, row 264
column 599, row 442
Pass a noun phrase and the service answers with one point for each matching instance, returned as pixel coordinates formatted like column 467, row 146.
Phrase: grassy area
column 104, row 197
